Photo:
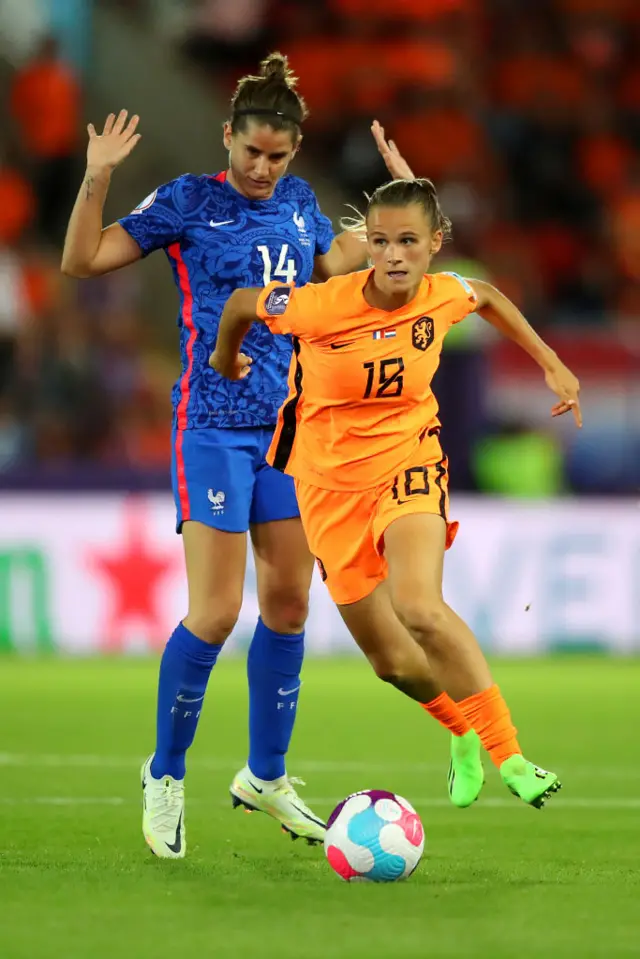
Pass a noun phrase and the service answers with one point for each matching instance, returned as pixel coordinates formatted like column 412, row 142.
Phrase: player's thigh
column 213, row 479
column 338, row 527
column 283, row 572
column 215, row 563
column 414, row 546
column 412, row 528
column 387, row 644
column 283, row 562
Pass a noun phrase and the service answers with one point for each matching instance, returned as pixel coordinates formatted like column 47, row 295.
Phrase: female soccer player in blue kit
column 245, row 227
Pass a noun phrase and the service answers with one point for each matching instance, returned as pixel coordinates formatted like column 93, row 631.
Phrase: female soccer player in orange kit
column 360, row 435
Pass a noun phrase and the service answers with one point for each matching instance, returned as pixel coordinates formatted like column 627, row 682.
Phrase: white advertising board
column 105, row 573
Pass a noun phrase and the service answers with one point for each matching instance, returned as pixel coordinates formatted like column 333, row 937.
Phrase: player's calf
column 405, row 667
column 397, row 659
column 450, row 646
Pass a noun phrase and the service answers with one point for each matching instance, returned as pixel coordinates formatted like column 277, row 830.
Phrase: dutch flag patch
column 384, row 334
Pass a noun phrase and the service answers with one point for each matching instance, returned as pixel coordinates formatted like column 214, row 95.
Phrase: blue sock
column 273, row 668
column 184, row 673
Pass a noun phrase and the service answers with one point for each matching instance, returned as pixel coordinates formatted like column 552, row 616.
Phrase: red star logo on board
column 133, row 574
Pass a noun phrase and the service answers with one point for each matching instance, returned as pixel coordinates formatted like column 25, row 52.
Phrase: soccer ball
column 374, row 835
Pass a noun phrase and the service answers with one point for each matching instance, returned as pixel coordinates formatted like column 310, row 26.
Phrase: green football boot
column 466, row 774
column 527, row 781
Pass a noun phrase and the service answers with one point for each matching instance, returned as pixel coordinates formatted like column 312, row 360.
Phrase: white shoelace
column 291, row 793
column 165, row 800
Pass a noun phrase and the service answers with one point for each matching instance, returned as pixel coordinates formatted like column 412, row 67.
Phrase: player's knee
column 425, row 618
column 285, row 610
column 213, row 621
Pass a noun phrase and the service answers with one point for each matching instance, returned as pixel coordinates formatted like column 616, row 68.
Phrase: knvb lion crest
column 423, row 333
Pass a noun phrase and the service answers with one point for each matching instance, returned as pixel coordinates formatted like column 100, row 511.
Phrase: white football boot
column 163, row 814
column 278, row 799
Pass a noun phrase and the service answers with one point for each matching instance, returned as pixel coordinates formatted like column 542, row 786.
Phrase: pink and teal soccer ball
column 374, row 836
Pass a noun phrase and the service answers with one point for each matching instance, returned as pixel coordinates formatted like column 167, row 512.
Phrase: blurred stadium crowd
column 526, row 115
column 82, row 383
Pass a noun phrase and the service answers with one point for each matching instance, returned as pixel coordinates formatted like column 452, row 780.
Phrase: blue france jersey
column 217, row 241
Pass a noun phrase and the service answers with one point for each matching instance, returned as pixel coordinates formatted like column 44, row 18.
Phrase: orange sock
column 489, row 715
column 448, row 714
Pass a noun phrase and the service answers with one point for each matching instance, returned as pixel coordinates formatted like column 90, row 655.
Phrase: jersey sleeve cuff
column 126, row 224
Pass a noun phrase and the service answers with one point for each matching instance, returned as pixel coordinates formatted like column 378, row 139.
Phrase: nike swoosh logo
column 288, row 692
column 306, row 815
column 341, row 346
column 253, row 786
column 221, row 223
column 183, row 699
column 177, row 845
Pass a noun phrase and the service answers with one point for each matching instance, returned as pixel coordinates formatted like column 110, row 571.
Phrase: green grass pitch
column 498, row 880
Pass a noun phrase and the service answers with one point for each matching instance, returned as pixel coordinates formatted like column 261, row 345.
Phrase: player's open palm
column 395, row 162
column 565, row 385
column 118, row 138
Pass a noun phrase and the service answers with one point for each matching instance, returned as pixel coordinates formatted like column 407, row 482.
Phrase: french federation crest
column 217, row 501
column 422, row 333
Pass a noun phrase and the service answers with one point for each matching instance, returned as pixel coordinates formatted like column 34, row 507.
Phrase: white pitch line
column 63, row 761
column 213, row 765
column 427, row 803
column 64, row 801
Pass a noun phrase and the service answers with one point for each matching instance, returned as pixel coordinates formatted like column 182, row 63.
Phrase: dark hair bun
column 276, row 67
column 272, row 94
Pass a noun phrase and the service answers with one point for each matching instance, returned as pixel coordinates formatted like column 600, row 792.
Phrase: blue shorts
column 222, row 479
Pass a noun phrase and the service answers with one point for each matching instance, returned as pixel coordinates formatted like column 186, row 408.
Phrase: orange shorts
column 345, row 529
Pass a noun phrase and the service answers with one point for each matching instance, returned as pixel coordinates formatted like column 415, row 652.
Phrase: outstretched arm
column 88, row 249
column 498, row 310
column 238, row 316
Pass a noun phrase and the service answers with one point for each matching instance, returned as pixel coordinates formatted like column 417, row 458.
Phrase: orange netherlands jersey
column 360, row 396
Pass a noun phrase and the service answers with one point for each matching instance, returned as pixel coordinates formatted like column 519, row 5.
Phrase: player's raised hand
column 395, row 162
column 235, row 368
column 565, row 385
column 118, row 138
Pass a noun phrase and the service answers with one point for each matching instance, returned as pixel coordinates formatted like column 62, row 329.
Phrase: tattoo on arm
column 89, row 187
